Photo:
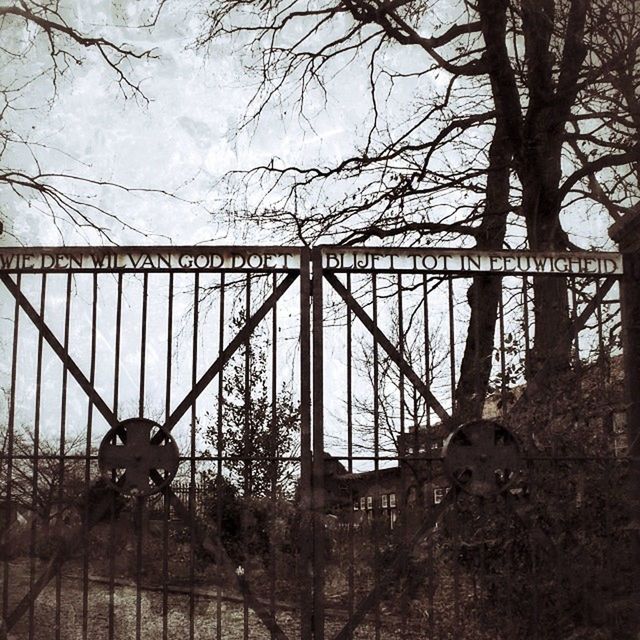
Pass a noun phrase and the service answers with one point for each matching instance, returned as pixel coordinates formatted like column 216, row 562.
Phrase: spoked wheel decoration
column 132, row 450
column 482, row 458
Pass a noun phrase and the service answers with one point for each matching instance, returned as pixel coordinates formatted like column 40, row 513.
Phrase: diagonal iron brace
column 58, row 558
column 228, row 352
column 59, row 350
column 217, row 549
column 394, row 569
column 386, row 344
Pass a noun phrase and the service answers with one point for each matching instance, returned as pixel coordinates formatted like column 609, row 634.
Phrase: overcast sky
column 182, row 141
column 188, row 135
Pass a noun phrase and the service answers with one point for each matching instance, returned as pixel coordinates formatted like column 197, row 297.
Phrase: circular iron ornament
column 482, row 458
column 130, row 452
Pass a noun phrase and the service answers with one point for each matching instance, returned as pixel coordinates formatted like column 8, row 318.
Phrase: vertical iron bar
column 427, row 342
column 167, row 504
column 456, row 568
column 349, row 382
column 376, row 456
column 427, row 373
column 306, row 529
column 8, row 447
column 452, row 343
column 606, row 564
column 140, row 513
column 63, row 428
column 192, row 457
column 475, row 302
column 576, row 338
column 247, row 446
column 143, row 342
column 112, row 515
column 604, row 365
column 220, row 449
column 318, row 447
column 601, row 357
column 527, row 337
column 525, row 322
column 274, row 451
column 87, row 466
column 404, row 603
column 351, row 570
column 36, row 453
column 503, row 362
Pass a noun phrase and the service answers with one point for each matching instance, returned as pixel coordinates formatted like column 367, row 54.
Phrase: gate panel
column 156, row 443
column 514, row 525
column 157, row 469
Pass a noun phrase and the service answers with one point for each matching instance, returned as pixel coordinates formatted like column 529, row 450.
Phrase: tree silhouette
column 42, row 43
column 259, row 423
column 477, row 131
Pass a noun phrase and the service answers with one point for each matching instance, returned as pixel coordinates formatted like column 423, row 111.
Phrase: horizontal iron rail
column 469, row 261
column 268, row 259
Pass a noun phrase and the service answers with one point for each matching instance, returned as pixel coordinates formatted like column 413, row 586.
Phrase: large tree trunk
column 484, row 293
column 541, row 208
column 536, row 138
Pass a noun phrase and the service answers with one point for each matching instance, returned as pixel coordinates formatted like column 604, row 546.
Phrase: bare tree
column 44, row 485
column 496, row 86
column 42, row 42
column 608, row 122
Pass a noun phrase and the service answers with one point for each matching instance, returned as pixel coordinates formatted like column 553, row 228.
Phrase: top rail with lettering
column 152, row 259
column 339, row 259
column 336, row 259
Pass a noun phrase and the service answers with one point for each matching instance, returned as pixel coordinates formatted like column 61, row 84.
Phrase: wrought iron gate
column 169, row 469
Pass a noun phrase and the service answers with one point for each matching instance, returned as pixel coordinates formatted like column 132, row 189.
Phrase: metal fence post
column 306, row 487
column 318, row 448
column 627, row 234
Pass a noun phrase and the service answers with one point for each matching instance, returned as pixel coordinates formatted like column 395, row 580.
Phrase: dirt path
column 71, row 619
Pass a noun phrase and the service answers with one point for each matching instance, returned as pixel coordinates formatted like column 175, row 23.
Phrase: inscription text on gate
column 333, row 259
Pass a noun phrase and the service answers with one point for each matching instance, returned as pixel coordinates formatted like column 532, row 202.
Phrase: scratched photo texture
column 319, row 319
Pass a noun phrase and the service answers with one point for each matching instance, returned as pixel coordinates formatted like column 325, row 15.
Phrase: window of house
column 369, row 502
column 363, row 503
column 355, row 505
column 439, row 493
column 620, row 444
column 619, row 422
column 392, row 500
column 385, row 501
